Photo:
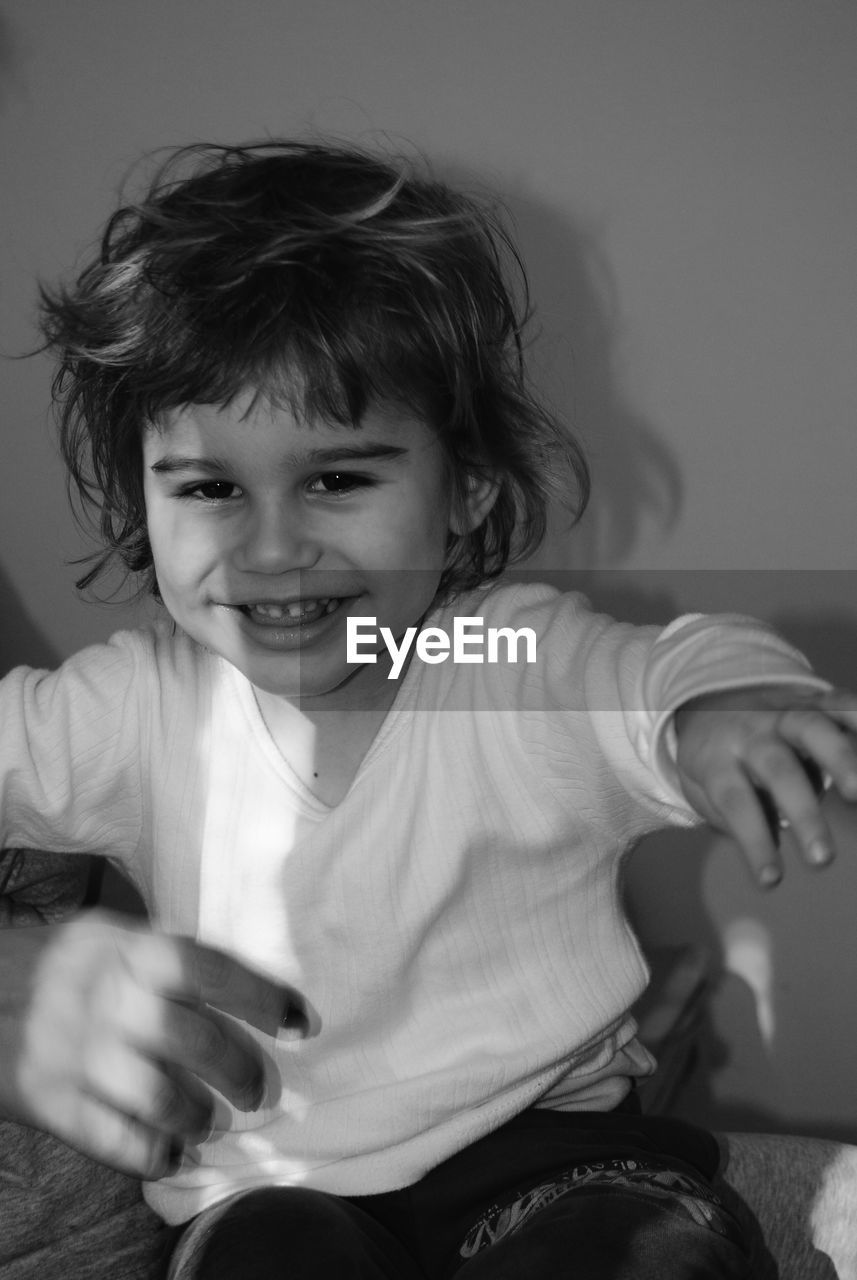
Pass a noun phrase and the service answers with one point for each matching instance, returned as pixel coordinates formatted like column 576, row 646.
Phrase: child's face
column 267, row 534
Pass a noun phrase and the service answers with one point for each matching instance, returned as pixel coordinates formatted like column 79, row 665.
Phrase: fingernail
column 819, row 853
column 769, row 877
column 815, row 774
column 254, row 1094
column 205, row 1130
column 294, row 1018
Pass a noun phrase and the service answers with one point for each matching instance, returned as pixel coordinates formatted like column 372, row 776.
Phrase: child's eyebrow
column 182, row 462
column 366, row 451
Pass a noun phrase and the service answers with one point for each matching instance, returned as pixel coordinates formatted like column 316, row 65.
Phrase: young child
column 291, row 381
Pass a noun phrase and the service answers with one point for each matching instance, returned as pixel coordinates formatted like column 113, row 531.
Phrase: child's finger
column 171, row 1103
column 217, row 1051
column 790, row 795
column 740, row 813
column 108, row 1135
column 194, row 1039
column 165, row 1029
column 121, row 1141
column 841, row 706
column 214, row 978
column 189, row 972
column 821, row 737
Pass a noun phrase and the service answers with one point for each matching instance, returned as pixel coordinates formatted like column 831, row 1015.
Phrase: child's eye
column 211, row 490
column 338, row 482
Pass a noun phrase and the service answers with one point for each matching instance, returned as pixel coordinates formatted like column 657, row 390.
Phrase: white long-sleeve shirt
column 454, row 922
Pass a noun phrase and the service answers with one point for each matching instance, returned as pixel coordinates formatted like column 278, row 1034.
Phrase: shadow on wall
column 636, row 479
column 21, row 642
column 829, row 640
column 572, row 361
column 671, row 867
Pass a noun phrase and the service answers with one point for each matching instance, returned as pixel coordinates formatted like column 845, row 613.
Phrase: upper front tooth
column 298, row 607
column 294, row 609
column 270, row 610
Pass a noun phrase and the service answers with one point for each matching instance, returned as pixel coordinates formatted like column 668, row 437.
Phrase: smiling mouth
column 294, row 613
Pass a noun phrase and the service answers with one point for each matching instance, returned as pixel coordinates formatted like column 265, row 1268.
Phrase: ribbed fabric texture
column 454, row 923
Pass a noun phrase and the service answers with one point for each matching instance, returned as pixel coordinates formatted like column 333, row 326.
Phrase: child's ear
column 472, row 507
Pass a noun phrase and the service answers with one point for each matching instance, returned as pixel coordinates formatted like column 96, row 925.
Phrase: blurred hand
column 749, row 757
column 111, row 1034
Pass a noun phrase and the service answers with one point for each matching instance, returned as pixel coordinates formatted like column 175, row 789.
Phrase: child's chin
column 307, row 685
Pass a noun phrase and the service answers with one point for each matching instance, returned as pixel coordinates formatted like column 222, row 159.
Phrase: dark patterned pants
column 548, row 1195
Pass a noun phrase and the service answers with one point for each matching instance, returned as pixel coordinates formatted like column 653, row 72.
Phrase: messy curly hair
column 327, row 279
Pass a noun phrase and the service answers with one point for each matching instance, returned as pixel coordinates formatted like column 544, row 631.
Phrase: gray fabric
column 63, row 1217
column 803, row 1194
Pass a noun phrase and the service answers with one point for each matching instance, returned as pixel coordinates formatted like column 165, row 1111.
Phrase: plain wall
column 683, row 182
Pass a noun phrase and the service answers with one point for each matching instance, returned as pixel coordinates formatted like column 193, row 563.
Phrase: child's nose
column 277, row 539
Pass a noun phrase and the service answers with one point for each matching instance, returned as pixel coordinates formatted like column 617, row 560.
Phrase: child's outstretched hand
column 110, row 1034
column 750, row 755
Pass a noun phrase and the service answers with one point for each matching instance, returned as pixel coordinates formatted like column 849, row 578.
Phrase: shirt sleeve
column 622, row 683
column 70, row 752
column 697, row 655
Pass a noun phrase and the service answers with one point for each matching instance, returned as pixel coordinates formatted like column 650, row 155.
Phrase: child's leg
column 580, row 1195
column 289, row 1233
column 611, row 1234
